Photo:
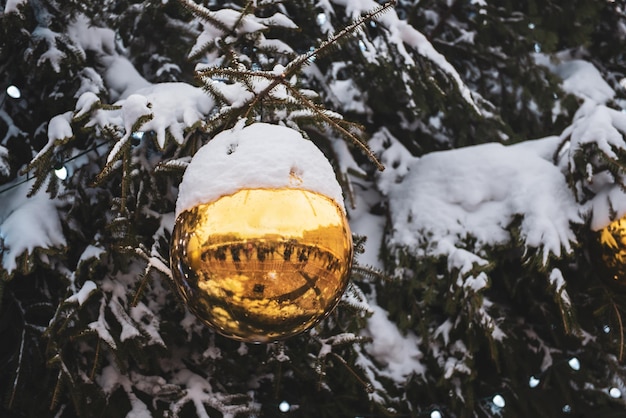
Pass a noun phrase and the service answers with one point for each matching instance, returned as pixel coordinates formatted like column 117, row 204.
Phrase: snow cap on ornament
column 261, row 248
column 256, row 156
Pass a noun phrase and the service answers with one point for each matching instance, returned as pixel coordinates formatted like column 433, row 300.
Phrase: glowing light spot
column 284, row 406
column 615, row 393
column 606, row 329
column 435, row 414
column 567, row 409
column 61, row 172
column 574, row 363
column 14, row 92
column 533, row 382
column 498, row 401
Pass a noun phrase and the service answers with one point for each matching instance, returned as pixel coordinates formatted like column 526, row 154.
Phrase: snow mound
column 479, row 192
column 255, row 157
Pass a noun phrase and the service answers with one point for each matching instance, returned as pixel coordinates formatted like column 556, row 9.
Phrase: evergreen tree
column 485, row 283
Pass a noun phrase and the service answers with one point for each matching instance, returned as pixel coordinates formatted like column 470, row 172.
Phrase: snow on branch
column 393, row 155
column 129, row 330
column 401, row 33
column 592, row 154
column 12, row 130
column 478, row 194
column 112, row 378
column 355, row 298
column 399, row 354
column 28, row 225
column 599, row 125
column 220, row 27
column 562, row 298
column 171, row 108
column 53, row 40
column 13, row 6
column 244, row 91
column 374, row 12
column 83, row 294
column 167, row 109
column 5, row 168
column 199, row 392
column 580, row 78
column 377, row 390
column 593, row 148
column 101, row 327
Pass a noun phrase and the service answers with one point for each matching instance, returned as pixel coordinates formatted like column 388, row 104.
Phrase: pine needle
column 142, row 286
column 618, row 316
column 19, row 367
column 368, row 387
column 57, row 391
column 96, row 360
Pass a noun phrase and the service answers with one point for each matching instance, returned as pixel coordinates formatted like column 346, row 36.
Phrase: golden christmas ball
column 611, row 249
column 261, row 248
column 262, row 265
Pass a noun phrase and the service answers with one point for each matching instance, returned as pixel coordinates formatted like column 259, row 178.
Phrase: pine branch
column 205, row 14
column 233, row 74
column 208, row 85
column 370, row 273
column 142, row 286
column 125, row 177
column 226, row 116
column 264, row 96
column 354, row 298
column 177, row 165
column 42, row 172
column 333, row 123
column 246, row 10
column 346, row 184
column 197, row 53
column 349, row 30
column 366, row 385
column 154, row 261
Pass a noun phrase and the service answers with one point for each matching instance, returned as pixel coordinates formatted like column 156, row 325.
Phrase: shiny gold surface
column 262, row 264
column 612, row 240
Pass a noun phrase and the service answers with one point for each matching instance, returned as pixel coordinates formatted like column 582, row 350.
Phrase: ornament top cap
column 258, row 156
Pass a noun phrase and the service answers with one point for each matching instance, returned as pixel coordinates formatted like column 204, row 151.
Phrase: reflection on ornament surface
column 612, row 248
column 262, row 264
